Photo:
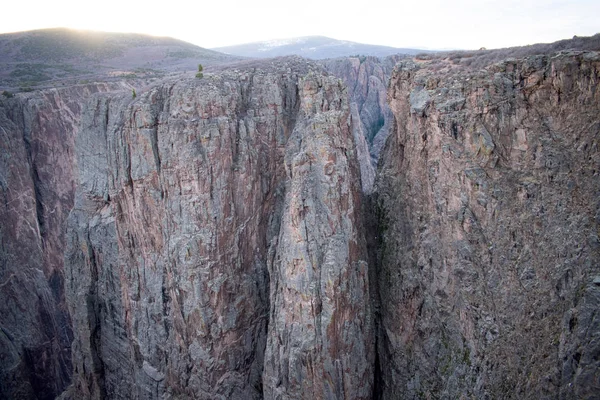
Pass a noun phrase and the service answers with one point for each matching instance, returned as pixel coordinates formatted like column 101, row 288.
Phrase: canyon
column 355, row 228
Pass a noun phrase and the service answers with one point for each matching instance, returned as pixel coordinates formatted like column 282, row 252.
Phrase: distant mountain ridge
column 315, row 47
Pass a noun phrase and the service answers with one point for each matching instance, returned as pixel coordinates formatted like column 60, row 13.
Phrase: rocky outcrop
column 367, row 81
column 37, row 133
column 214, row 249
column 488, row 202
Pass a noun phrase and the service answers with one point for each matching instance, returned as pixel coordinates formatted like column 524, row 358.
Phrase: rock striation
column 215, row 247
column 37, row 134
column 489, row 205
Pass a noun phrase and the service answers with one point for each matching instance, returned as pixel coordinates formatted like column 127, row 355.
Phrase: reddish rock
column 489, row 210
column 37, row 133
column 320, row 342
column 193, row 200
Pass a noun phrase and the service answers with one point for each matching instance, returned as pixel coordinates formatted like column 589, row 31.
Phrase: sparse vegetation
column 200, row 69
column 424, row 56
column 481, row 58
column 34, row 72
column 56, row 57
column 133, row 94
column 58, row 44
column 7, row 94
column 183, row 54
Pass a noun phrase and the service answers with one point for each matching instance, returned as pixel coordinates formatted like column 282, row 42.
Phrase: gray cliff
column 287, row 229
column 37, row 133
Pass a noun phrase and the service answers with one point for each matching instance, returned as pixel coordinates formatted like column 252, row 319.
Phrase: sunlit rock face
column 215, row 247
column 489, row 204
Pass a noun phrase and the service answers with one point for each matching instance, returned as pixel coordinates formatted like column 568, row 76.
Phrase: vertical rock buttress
column 214, row 249
column 320, row 342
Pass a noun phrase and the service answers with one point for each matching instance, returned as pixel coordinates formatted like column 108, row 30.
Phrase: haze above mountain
column 315, row 47
column 432, row 24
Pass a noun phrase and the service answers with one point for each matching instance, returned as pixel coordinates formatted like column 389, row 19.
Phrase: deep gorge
column 271, row 231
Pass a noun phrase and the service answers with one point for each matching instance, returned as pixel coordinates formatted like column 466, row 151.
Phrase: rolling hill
column 51, row 56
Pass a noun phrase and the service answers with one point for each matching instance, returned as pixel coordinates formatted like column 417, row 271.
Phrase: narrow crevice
column 39, row 204
column 377, row 381
column 94, row 314
column 242, row 111
column 36, row 183
column 373, row 239
column 155, row 152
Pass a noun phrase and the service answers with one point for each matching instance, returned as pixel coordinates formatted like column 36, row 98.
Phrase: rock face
column 489, row 205
column 218, row 243
column 215, row 246
column 367, row 81
column 36, row 187
column 320, row 342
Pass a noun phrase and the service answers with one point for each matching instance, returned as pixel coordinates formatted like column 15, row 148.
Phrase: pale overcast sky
column 434, row 24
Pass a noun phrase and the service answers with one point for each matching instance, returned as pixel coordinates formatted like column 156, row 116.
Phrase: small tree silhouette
column 200, row 69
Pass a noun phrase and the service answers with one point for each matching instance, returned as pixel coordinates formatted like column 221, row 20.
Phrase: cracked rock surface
column 228, row 238
column 37, row 133
column 489, row 205
column 214, row 249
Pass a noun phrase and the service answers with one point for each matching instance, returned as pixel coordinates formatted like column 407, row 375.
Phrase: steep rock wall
column 489, row 207
column 214, row 222
column 320, row 342
column 37, row 134
column 216, row 247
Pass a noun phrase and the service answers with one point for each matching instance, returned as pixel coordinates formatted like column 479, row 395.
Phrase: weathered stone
column 37, row 133
column 217, row 243
column 197, row 202
column 320, row 342
column 489, row 225
column 419, row 100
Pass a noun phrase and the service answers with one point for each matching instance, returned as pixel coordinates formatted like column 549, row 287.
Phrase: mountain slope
column 315, row 47
column 43, row 56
